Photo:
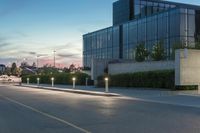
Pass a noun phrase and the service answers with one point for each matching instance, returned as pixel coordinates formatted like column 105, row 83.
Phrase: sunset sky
column 38, row 27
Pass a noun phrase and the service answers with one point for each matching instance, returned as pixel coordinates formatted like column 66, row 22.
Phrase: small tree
column 197, row 43
column 141, row 53
column 72, row 68
column 34, row 64
column 7, row 71
column 14, row 69
column 158, row 52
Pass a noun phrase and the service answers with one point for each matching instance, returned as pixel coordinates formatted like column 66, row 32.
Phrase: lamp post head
column 106, row 79
column 73, row 78
column 52, row 78
column 27, row 78
column 38, row 79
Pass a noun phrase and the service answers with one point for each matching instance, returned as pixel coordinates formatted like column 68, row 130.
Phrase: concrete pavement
column 75, row 90
column 181, row 98
column 31, row 110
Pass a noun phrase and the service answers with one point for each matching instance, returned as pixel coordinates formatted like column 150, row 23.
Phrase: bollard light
column 52, row 81
column 74, row 82
column 38, row 81
column 27, row 81
column 106, row 85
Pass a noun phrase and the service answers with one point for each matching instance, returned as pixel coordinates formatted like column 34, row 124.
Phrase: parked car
column 10, row 79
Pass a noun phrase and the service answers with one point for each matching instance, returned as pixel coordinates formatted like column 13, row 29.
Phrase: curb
column 95, row 93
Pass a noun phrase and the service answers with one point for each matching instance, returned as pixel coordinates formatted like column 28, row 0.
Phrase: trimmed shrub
column 187, row 87
column 151, row 79
column 61, row 78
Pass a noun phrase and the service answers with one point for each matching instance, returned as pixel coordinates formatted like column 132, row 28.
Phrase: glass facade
column 126, row 10
column 121, row 11
column 171, row 27
column 143, row 8
column 103, row 44
column 152, row 22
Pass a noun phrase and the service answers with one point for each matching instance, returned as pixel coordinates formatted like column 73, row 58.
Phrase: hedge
column 62, row 78
column 151, row 79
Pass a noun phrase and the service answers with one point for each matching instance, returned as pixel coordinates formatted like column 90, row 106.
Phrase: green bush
column 60, row 78
column 187, row 87
column 151, row 79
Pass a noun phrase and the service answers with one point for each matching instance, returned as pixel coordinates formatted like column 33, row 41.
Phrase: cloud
column 21, row 34
column 7, row 61
column 32, row 53
column 69, row 55
column 42, row 55
column 4, row 44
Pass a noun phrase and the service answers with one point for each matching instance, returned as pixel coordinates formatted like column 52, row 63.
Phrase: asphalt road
column 27, row 110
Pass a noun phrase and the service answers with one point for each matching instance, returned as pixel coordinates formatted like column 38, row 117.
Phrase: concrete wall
column 131, row 67
column 187, row 67
column 98, row 67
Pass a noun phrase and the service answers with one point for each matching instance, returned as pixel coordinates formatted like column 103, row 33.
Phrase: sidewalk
column 128, row 92
column 180, row 98
column 69, row 89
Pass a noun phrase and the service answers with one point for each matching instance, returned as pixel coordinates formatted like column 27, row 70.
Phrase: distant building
column 2, row 68
column 143, row 21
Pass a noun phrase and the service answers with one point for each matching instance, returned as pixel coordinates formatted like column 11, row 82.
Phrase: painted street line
column 47, row 115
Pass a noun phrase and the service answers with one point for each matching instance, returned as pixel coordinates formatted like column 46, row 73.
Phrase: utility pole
column 54, row 59
column 37, row 61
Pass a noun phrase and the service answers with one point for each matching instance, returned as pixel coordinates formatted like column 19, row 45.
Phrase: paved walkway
column 128, row 92
column 181, row 98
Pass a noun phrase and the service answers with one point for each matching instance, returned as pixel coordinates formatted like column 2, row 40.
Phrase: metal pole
column 106, row 85
column 54, row 58
column 27, row 81
column 37, row 62
column 86, row 81
column 52, row 82
column 38, row 81
column 74, row 82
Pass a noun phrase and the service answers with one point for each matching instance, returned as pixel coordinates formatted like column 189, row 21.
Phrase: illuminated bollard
column 27, row 81
column 52, row 81
column 74, row 82
column 38, row 81
column 106, row 85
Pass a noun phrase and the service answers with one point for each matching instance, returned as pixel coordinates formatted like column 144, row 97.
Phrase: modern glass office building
column 143, row 21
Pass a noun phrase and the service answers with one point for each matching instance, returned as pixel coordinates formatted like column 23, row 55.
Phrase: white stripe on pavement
column 47, row 115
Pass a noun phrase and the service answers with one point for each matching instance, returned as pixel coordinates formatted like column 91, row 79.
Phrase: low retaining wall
column 132, row 67
column 187, row 67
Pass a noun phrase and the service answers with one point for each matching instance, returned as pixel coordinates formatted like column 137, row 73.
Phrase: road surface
column 28, row 110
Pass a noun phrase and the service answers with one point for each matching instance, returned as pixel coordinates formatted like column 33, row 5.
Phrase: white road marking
column 47, row 115
column 159, row 102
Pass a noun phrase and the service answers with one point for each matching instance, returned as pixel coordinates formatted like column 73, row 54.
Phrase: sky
column 35, row 28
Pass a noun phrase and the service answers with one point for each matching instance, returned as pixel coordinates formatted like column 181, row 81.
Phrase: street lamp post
column 106, row 85
column 86, row 81
column 37, row 61
column 74, row 82
column 38, row 81
column 27, row 81
column 52, row 81
column 54, row 59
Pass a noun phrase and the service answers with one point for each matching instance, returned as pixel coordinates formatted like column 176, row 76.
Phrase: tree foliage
column 158, row 52
column 197, row 43
column 14, row 69
column 141, row 53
